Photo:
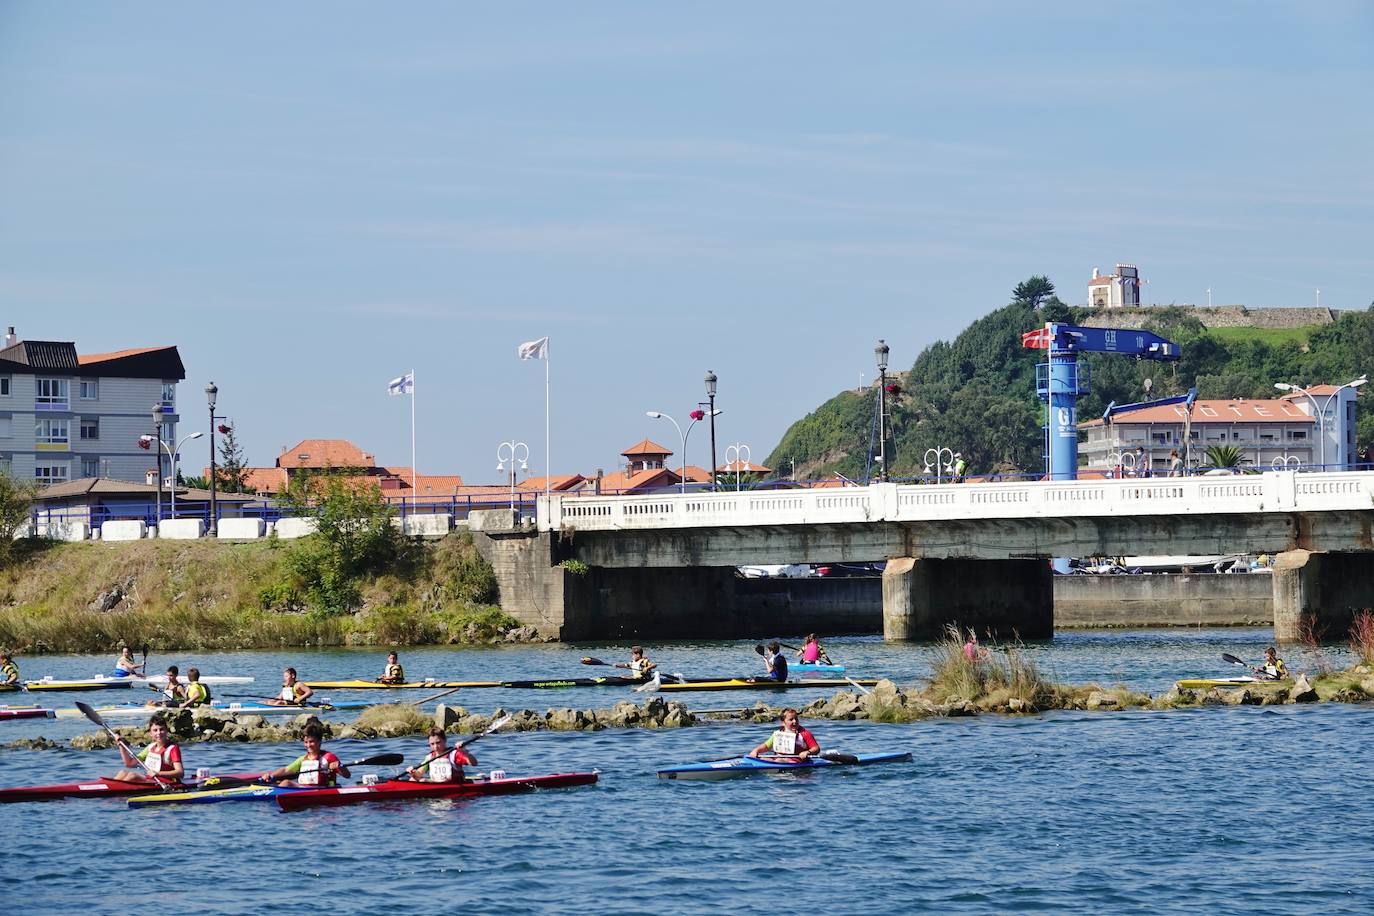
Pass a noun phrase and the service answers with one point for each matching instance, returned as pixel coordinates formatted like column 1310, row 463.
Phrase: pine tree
column 230, row 475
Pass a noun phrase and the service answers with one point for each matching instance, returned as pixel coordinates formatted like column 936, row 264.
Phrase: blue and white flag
column 534, row 349
column 403, row 385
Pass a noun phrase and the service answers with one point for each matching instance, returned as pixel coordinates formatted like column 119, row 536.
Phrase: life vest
column 317, row 772
column 10, row 672
column 639, row 667
column 174, row 691
column 197, row 693
column 288, row 694
column 811, row 652
column 161, row 761
column 779, row 667
column 394, row 673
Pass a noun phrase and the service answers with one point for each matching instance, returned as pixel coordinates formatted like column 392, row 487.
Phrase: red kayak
column 401, row 789
column 100, row 787
column 26, row 712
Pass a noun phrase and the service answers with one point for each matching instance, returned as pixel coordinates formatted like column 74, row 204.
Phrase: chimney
column 10, row 338
column 1095, row 274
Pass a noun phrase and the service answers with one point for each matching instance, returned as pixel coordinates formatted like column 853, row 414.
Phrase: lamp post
column 211, row 394
column 711, row 410
column 172, row 465
column 659, row 415
column 880, row 352
column 934, row 457
column 1321, row 411
column 741, row 456
column 510, row 451
column 157, row 432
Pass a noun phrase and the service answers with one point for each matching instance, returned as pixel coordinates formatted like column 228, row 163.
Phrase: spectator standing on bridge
column 1175, row 463
column 1142, row 462
column 960, row 467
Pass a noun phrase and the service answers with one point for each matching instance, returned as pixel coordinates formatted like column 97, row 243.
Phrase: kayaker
column 174, row 693
column 775, row 662
column 972, row 651
column 197, row 694
column 811, row 652
column 394, row 673
column 293, row 692
column 791, row 740
column 316, row 767
column 9, row 671
column 1273, row 668
column 162, row 755
column 125, row 666
column 639, row 664
column 442, row 765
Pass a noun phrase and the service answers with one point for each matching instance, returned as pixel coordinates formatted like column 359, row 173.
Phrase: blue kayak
column 803, row 667
column 732, row 767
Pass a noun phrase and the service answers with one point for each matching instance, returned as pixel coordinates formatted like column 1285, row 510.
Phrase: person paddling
column 790, row 741
column 293, row 692
column 1273, row 668
column 775, row 662
column 174, row 693
column 125, row 666
column 315, row 768
column 639, row 664
column 442, row 765
column 197, row 694
column 9, row 671
column 394, row 673
column 811, row 652
column 162, row 755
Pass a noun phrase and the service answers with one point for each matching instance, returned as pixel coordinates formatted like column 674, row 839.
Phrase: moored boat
column 396, row 789
column 733, row 767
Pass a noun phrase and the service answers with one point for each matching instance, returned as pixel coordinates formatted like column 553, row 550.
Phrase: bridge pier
column 1009, row 597
column 1318, row 594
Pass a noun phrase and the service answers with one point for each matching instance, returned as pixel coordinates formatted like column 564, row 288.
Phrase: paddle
column 1263, row 675
column 839, row 757
column 494, row 727
column 235, row 782
column 94, row 716
column 861, row 687
column 588, row 660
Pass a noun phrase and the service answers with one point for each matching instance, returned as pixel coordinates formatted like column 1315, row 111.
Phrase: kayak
column 764, row 684
column 400, row 789
column 815, row 668
column 604, row 681
column 746, row 766
column 201, row 796
column 101, row 682
column 409, row 685
column 254, row 708
column 25, row 712
column 100, row 787
column 1205, row 683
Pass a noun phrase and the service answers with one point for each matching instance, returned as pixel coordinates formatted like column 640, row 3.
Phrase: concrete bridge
column 664, row 564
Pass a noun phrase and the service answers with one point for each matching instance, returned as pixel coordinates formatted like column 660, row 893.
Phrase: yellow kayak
column 763, row 684
column 409, row 685
column 1206, row 683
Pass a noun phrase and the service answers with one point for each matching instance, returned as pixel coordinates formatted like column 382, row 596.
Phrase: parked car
column 787, row 571
column 850, row 570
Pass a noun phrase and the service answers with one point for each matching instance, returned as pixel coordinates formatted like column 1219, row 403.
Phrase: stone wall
column 1219, row 316
column 1207, row 600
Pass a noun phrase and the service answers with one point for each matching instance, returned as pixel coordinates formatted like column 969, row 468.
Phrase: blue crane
column 1061, row 381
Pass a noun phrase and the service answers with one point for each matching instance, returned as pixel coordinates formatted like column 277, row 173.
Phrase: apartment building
column 65, row 416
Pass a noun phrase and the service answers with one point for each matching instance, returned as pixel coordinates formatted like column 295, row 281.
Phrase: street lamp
column 157, row 430
column 741, row 457
column 697, row 416
column 172, row 464
column 880, row 352
column 935, row 457
column 510, row 451
column 711, row 407
column 211, row 394
column 1321, row 412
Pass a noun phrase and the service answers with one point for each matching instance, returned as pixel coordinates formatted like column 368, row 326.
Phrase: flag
column 403, row 385
column 1039, row 339
column 534, row 349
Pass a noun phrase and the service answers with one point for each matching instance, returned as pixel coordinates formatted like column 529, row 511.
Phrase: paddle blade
column 759, row 649
column 380, row 760
column 91, row 714
column 587, row 660
column 839, row 757
column 1228, row 657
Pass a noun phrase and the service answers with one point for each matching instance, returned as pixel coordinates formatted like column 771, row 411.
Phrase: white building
column 64, row 416
column 1121, row 289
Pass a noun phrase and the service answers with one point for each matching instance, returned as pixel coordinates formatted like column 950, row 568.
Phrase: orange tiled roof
column 117, row 354
column 325, row 453
column 1278, row 410
column 557, row 482
column 646, row 447
column 651, row 479
column 1319, row 390
column 1101, row 281
column 264, row 480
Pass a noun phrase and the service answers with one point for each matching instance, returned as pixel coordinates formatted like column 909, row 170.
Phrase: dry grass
column 1362, row 635
column 1000, row 673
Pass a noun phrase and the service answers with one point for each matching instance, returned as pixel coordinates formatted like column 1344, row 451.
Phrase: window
column 51, row 432
column 50, row 394
column 90, row 428
column 1297, row 434
column 169, row 394
column 90, row 467
column 50, row 473
column 6, row 428
column 5, row 466
column 4, row 386
column 90, row 389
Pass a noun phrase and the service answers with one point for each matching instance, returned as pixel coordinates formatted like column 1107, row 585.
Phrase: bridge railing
column 1275, row 491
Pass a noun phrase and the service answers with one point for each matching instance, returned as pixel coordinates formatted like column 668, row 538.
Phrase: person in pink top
column 811, row 652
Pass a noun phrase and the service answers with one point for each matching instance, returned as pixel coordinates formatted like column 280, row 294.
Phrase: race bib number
column 310, row 773
column 440, row 770
column 154, row 761
column 784, row 743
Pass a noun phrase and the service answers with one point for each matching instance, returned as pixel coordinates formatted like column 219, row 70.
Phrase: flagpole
column 414, row 488
column 548, row 468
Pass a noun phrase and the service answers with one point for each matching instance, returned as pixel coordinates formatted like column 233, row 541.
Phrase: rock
column 251, row 721
column 448, row 716
column 678, row 717
column 1302, row 691
column 522, row 634
column 107, row 601
column 564, row 720
column 395, row 728
column 34, row 744
column 1100, row 700
column 209, row 721
column 472, row 724
column 93, row 741
column 1016, row 704
column 346, row 732
column 1273, row 697
column 1367, row 685
column 844, row 705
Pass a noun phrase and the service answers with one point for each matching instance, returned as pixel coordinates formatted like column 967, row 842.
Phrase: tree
column 230, row 476
column 16, row 502
column 1227, row 457
column 1033, row 291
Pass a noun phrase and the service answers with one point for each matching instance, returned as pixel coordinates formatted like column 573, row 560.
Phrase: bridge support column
column 1009, row 597
column 1318, row 594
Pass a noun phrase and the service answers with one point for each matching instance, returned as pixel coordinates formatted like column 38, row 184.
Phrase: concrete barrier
column 125, row 529
column 241, row 529
column 64, row 531
column 296, row 527
column 424, row 526
column 181, row 529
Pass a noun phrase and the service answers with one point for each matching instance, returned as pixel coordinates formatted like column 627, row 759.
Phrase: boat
column 124, row 710
column 732, row 767
column 555, row 683
column 100, row 787
column 1206, row 683
column 765, row 684
column 408, row 685
column 201, row 795
column 397, row 789
column 101, row 682
column 25, row 712
column 815, row 668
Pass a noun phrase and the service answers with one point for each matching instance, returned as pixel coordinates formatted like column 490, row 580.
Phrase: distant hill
column 976, row 394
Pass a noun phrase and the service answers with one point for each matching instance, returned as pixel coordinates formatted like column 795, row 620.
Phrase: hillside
column 976, row 394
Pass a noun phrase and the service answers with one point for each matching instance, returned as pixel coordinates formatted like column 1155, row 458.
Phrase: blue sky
column 310, row 198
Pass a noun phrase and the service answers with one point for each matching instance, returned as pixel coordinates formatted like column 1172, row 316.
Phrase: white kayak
column 138, row 710
column 108, row 682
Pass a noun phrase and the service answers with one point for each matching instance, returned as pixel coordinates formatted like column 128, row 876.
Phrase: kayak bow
column 100, row 787
column 396, row 789
column 25, row 712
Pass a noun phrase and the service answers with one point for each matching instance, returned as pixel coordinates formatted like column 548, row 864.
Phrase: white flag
column 403, row 385
column 534, row 349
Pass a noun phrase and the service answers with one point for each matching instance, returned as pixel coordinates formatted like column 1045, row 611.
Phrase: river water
column 1217, row 810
